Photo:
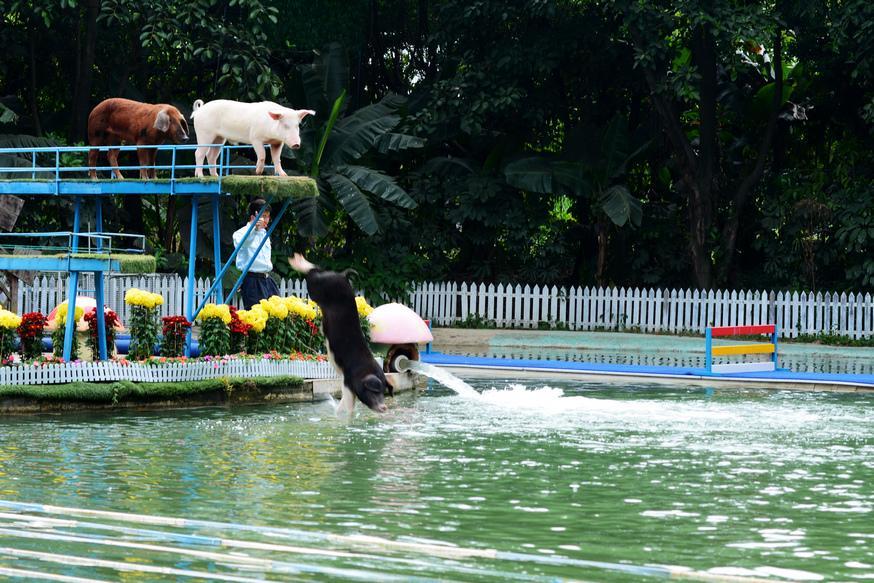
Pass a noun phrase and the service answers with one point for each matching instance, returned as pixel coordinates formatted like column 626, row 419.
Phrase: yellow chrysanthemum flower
column 257, row 319
column 139, row 297
column 220, row 311
column 364, row 309
column 275, row 307
column 61, row 314
column 301, row 307
column 9, row 320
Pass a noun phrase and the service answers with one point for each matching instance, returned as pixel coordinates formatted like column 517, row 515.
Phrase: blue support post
column 73, row 286
column 230, row 262
column 270, row 229
column 217, row 250
column 101, row 315
column 98, row 221
column 102, row 349
column 192, row 257
column 708, row 348
column 774, row 342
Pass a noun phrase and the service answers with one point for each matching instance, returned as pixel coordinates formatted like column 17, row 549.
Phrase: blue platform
column 56, row 172
column 774, row 379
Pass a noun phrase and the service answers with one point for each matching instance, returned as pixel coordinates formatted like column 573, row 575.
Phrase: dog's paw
column 298, row 263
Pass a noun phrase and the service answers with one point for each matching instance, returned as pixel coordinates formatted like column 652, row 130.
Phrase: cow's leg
column 112, row 156
column 212, row 157
column 153, row 161
column 93, row 154
column 199, row 155
column 259, row 152
column 276, row 155
column 143, row 156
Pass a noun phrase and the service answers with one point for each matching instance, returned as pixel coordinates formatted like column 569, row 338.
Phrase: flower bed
column 278, row 337
column 49, row 371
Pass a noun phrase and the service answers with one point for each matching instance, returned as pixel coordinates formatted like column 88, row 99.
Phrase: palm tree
column 338, row 154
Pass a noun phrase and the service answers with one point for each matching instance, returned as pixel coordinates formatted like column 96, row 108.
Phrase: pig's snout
column 295, row 146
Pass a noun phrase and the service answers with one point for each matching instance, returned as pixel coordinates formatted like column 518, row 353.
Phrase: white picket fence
column 524, row 306
column 645, row 310
column 172, row 372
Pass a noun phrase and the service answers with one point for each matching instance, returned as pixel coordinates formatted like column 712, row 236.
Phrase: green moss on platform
column 128, row 262
column 277, row 187
column 223, row 389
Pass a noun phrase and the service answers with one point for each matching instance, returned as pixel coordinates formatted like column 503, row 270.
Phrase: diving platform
column 279, row 187
column 60, row 172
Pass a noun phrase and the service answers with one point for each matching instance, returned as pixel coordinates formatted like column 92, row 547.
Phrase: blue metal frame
column 192, row 258
column 774, row 342
column 708, row 348
column 73, row 181
column 74, row 266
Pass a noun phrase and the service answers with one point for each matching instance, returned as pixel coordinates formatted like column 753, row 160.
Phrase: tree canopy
column 613, row 142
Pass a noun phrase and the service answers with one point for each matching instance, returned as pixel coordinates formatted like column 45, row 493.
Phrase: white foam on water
column 445, row 378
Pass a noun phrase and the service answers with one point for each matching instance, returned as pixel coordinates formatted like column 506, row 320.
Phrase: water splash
column 444, row 377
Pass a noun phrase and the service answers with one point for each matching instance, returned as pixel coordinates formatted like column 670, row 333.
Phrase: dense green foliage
column 624, row 142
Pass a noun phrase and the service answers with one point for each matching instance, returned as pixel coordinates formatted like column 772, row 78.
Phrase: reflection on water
column 812, row 362
column 759, row 483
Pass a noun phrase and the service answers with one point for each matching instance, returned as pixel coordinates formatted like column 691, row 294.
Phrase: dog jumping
column 347, row 349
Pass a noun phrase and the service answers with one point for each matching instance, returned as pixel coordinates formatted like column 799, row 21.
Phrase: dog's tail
column 197, row 104
column 349, row 273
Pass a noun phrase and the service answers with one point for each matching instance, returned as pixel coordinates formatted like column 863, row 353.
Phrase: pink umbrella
column 83, row 302
column 397, row 324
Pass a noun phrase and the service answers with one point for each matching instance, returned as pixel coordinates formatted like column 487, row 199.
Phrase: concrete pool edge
column 304, row 391
column 445, row 339
column 778, row 380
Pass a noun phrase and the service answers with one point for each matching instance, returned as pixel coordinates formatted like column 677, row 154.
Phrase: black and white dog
column 347, row 348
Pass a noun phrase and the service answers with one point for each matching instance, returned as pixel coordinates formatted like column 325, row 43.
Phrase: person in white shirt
column 257, row 284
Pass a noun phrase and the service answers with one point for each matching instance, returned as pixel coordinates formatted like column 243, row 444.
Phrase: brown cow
column 116, row 121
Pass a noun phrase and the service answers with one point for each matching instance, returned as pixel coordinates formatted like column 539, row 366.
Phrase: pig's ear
column 162, row 121
column 302, row 113
column 276, row 115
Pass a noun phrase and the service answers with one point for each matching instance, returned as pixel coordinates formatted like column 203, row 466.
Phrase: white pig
column 261, row 123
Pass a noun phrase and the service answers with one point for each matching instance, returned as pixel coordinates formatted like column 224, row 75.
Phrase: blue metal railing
column 71, row 246
column 53, row 168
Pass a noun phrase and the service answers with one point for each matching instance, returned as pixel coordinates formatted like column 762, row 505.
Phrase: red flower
column 237, row 326
column 32, row 324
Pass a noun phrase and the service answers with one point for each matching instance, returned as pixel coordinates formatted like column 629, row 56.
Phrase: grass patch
column 128, row 262
column 127, row 390
column 277, row 187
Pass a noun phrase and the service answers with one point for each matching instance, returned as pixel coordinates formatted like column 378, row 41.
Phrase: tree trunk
column 85, row 74
column 700, row 184
column 697, row 181
column 602, row 235
column 742, row 194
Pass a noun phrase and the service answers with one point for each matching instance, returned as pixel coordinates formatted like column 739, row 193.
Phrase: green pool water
column 768, row 484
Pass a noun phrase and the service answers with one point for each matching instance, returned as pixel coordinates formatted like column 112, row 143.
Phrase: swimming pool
column 807, row 361
column 745, row 482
